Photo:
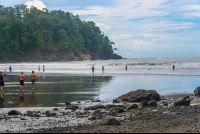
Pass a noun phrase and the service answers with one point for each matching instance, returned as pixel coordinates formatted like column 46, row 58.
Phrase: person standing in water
column 10, row 69
column 33, row 79
column 92, row 70
column 39, row 68
column 21, row 79
column 173, row 67
column 126, row 67
column 102, row 69
column 43, row 68
column 1, row 79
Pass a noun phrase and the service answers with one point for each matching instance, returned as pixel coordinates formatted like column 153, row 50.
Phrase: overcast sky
column 139, row 28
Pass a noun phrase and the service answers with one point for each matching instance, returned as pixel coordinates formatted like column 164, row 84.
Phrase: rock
column 144, row 104
column 72, row 107
column 55, row 109
column 67, row 103
column 152, row 103
column 95, row 107
column 47, row 112
column 197, row 91
column 29, row 113
column 132, row 106
column 35, row 115
column 14, row 112
column 92, row 117
column 53, row 114
column 138, row 96
column 107, row 121
column 184, row 102
column 95, row 100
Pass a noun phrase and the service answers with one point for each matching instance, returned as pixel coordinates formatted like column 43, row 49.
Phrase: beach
column 161, row 119
column 72, row 82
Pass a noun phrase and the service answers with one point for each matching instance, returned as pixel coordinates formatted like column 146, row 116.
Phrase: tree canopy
column 24, row 30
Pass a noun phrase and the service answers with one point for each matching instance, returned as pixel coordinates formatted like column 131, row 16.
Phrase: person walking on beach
column 10, row 69
column 1, row 79
column 92, row 70
column 39, row 68
column 126, row 67
column 33, row 79
column 21, row 79
column 43, row 68
column 173, row 67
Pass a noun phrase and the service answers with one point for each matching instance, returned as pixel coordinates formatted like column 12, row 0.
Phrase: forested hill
column 30, row 33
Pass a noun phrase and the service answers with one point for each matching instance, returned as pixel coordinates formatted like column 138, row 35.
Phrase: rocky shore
column 171, row 113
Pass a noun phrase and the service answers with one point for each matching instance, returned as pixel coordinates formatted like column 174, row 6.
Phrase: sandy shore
column 163, row 118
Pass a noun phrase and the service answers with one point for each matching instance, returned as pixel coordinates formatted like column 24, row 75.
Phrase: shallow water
column 72, row 81
column 54, row 91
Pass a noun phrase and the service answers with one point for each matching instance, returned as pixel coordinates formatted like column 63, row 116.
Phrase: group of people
column 21, row 79
column 39, row 68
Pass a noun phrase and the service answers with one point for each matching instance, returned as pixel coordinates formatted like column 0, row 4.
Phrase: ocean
column 73, row 81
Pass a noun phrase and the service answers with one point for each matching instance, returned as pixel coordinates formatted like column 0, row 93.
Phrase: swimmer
column 93, row 70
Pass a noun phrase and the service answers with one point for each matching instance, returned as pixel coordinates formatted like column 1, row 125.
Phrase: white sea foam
column 136, row 66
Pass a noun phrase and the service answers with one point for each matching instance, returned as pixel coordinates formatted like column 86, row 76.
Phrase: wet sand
column 160, row 119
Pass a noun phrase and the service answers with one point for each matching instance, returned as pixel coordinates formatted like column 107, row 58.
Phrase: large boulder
column 197, row 91
column 138, row 96
column 14, row 112
column 184, row 102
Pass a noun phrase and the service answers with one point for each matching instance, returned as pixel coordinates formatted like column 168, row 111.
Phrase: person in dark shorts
column 21, row 79
column 126, row 67
column 33, row 79
column 93, row 70
column 1, row 79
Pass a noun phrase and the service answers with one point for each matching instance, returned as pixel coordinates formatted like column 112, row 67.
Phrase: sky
column 139, row 28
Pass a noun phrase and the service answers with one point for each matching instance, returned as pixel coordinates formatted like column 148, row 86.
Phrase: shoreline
column 81, row 120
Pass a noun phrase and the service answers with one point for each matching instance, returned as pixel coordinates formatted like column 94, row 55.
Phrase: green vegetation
column 24, row 30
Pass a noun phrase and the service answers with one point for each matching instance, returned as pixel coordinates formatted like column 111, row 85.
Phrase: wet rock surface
column 115, row 118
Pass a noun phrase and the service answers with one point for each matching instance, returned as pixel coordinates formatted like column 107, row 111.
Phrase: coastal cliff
column 50, row 53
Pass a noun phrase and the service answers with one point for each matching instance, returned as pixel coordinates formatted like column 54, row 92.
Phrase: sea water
column 73, row 81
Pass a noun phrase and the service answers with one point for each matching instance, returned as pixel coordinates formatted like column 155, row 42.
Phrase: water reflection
column 1, row 100
column 32, row 101
column 53, row 90
column 21, row 99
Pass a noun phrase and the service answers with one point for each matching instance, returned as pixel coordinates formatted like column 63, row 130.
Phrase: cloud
column 36, row 3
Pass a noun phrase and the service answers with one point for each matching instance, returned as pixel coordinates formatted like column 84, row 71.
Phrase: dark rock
column 144, row 103
column 95, row 107
column 47, row 112
column 132, row 106
column 107, row 121
column 72, row 107
column 197, row 91
column 55, row 109
column 138, row 96
column 35, row 115
column 96, row 101
column 67, row 103
column 53, row 114
column 182, row 103
column 14, row 112
column 152, row 103
column 29, row 113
